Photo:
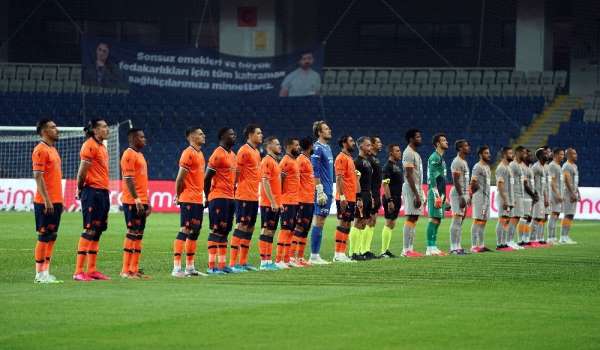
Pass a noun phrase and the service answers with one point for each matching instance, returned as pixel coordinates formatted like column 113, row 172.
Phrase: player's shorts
column 455, row 204
column 431, row 209
column 408, row 199
column 269, row 218
column 346, row 215
column 133, row 220
column 246, row 212
column 323, row 210
column 220, row 215
column 367, row 208
column 191, row 216
column 480, row 207
column 376, row 204
column 288, row 217
column 393, row 214
column 539, row 210
column 95, row 204
column 47, row 223
column 304, row 215
column 502, row 212
column 568, row 207
column 555, row 207
column 517, row 210
column 527, row 206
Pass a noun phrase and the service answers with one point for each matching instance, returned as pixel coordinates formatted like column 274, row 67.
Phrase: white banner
column 18, row 194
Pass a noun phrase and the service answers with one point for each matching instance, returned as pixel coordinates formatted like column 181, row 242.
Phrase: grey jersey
column 519, row 176
column 555, row 175
column 528, row 174
column 504, row 174
column 571, row 169
column 483, row 175
column 461, row 167
column 410, row 158
column 547, row 173
column 539, row 181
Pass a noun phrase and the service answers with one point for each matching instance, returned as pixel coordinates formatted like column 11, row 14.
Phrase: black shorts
column 288, row 216
column 246, row 212
column 346, row 215
column 269, row 218
column 220, row 215
column 95, row 205
column 367, row 206
column 376, row 205
column 304, row 215
column 47, row 223
column 391, row 215
column 191, row 216
column 133, row 220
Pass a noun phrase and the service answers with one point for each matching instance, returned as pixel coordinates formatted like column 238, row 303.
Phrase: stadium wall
column 17, row 194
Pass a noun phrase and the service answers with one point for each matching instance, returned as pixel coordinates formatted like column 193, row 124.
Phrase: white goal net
column 17, row 187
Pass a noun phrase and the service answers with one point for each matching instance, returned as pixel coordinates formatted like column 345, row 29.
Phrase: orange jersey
column 134, row 166
column 96, row 154
column 192, row 160
column 307, row 180
column 269, row 169
column 291, row 181
column 344, row 167
column 223, row 163
column 248, row 167
column 45, row 159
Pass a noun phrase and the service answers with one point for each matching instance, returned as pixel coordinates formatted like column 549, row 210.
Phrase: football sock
column 212, row 247
column 386, row 238
column 127, row 253
column 222, row 254
column 316, row 235
column 552, row 226
column 432, row 230
column 190, row 252
column 234, row 250
column 82, row 251
column 244, row 249
column 134, row 266
column 265, row 247
column 355, row 240
column 565, row 227
column 178, row 249
column 455, row 232
column 512, row 228
column 367, row 238
column 92, row 256
column 408, row 232
column 341, row 238
column 301, row 247
column 40, row 255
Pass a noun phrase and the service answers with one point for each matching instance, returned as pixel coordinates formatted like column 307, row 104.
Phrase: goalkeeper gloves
column 321, row 196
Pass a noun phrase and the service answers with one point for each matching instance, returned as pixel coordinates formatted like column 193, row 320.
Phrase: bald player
column 412, row 191
column 481, row 180
column 246, row 198
column 459, row 195
column 570, row 194
column 48, row 201
column 189, row 185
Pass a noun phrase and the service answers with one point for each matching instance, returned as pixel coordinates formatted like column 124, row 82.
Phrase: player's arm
column 208, row 176
column 528, row 189
column 41, row 186
column 84, row 166
column 457, row 185
column 572, row 193
column 315, row 160
column 502, row 190
column 179, row 180
column 474, row 184
column 267, row 186
column 432, row 179
column 554, row 187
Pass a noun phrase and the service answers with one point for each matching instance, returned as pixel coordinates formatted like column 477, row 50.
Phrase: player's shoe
column 551, row 241
column 248, row 267
column 317, row 260
column 282, row 265
column 523, row 244
column 514, row 246
column 458, row 252
column 358, row 257
column 504, row 248
column 342, row 258
column 294, row 263
column 227, row 269
column 97, row 275
column 269, row 267
column 567, row 240
column 485, row 249
column 238, row 269
column 51, row 278
column 214, row 271
column 178, row 272
column 192, row 272
column 370, row 256
column 411, row 254
column 139, row 276
column 534, row 244
column 40, row 278
column 124, row 275
column 303, row 263
column 434, row 251
column 82, row 277
column 387, row 254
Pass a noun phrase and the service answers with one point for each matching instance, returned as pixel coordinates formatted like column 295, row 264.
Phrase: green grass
column 533, row 299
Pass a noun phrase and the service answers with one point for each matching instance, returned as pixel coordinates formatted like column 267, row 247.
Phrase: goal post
column 17, row 186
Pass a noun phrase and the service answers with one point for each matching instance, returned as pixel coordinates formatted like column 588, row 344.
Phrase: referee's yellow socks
column 386, row 238
column 367, row 239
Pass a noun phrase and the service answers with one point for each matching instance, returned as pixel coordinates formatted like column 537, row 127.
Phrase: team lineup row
column 293, row 189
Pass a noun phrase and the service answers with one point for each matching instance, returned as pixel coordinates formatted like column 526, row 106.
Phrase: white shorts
column 555, row 207
column 408, row 199
column 455, row 204
column 527, row 206
column 481, row 208
column 517, row 210
column 539, row 210
column 499, row 204
column 568, row 207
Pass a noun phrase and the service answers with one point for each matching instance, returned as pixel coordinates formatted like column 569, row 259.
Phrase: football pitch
column 533, row 299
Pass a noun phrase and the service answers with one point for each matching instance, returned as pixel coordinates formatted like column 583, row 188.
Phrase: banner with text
column 113, row 64
column 17, row 194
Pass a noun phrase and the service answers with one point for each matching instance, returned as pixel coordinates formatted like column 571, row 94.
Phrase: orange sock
column 92, row 256
column 294, row 246
column 49, row 249
column 280, row 246
column 82, row 251
column 40, row 255
column 134, row 266
column 265, row 246
column 287, row 248
column 212, row 254
column 190, row 252
column 234, row 249
column 339, row 239
column 222, row 255
column 244, row 249
column 177, row 251
column 127, row 253
column 301, row 246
